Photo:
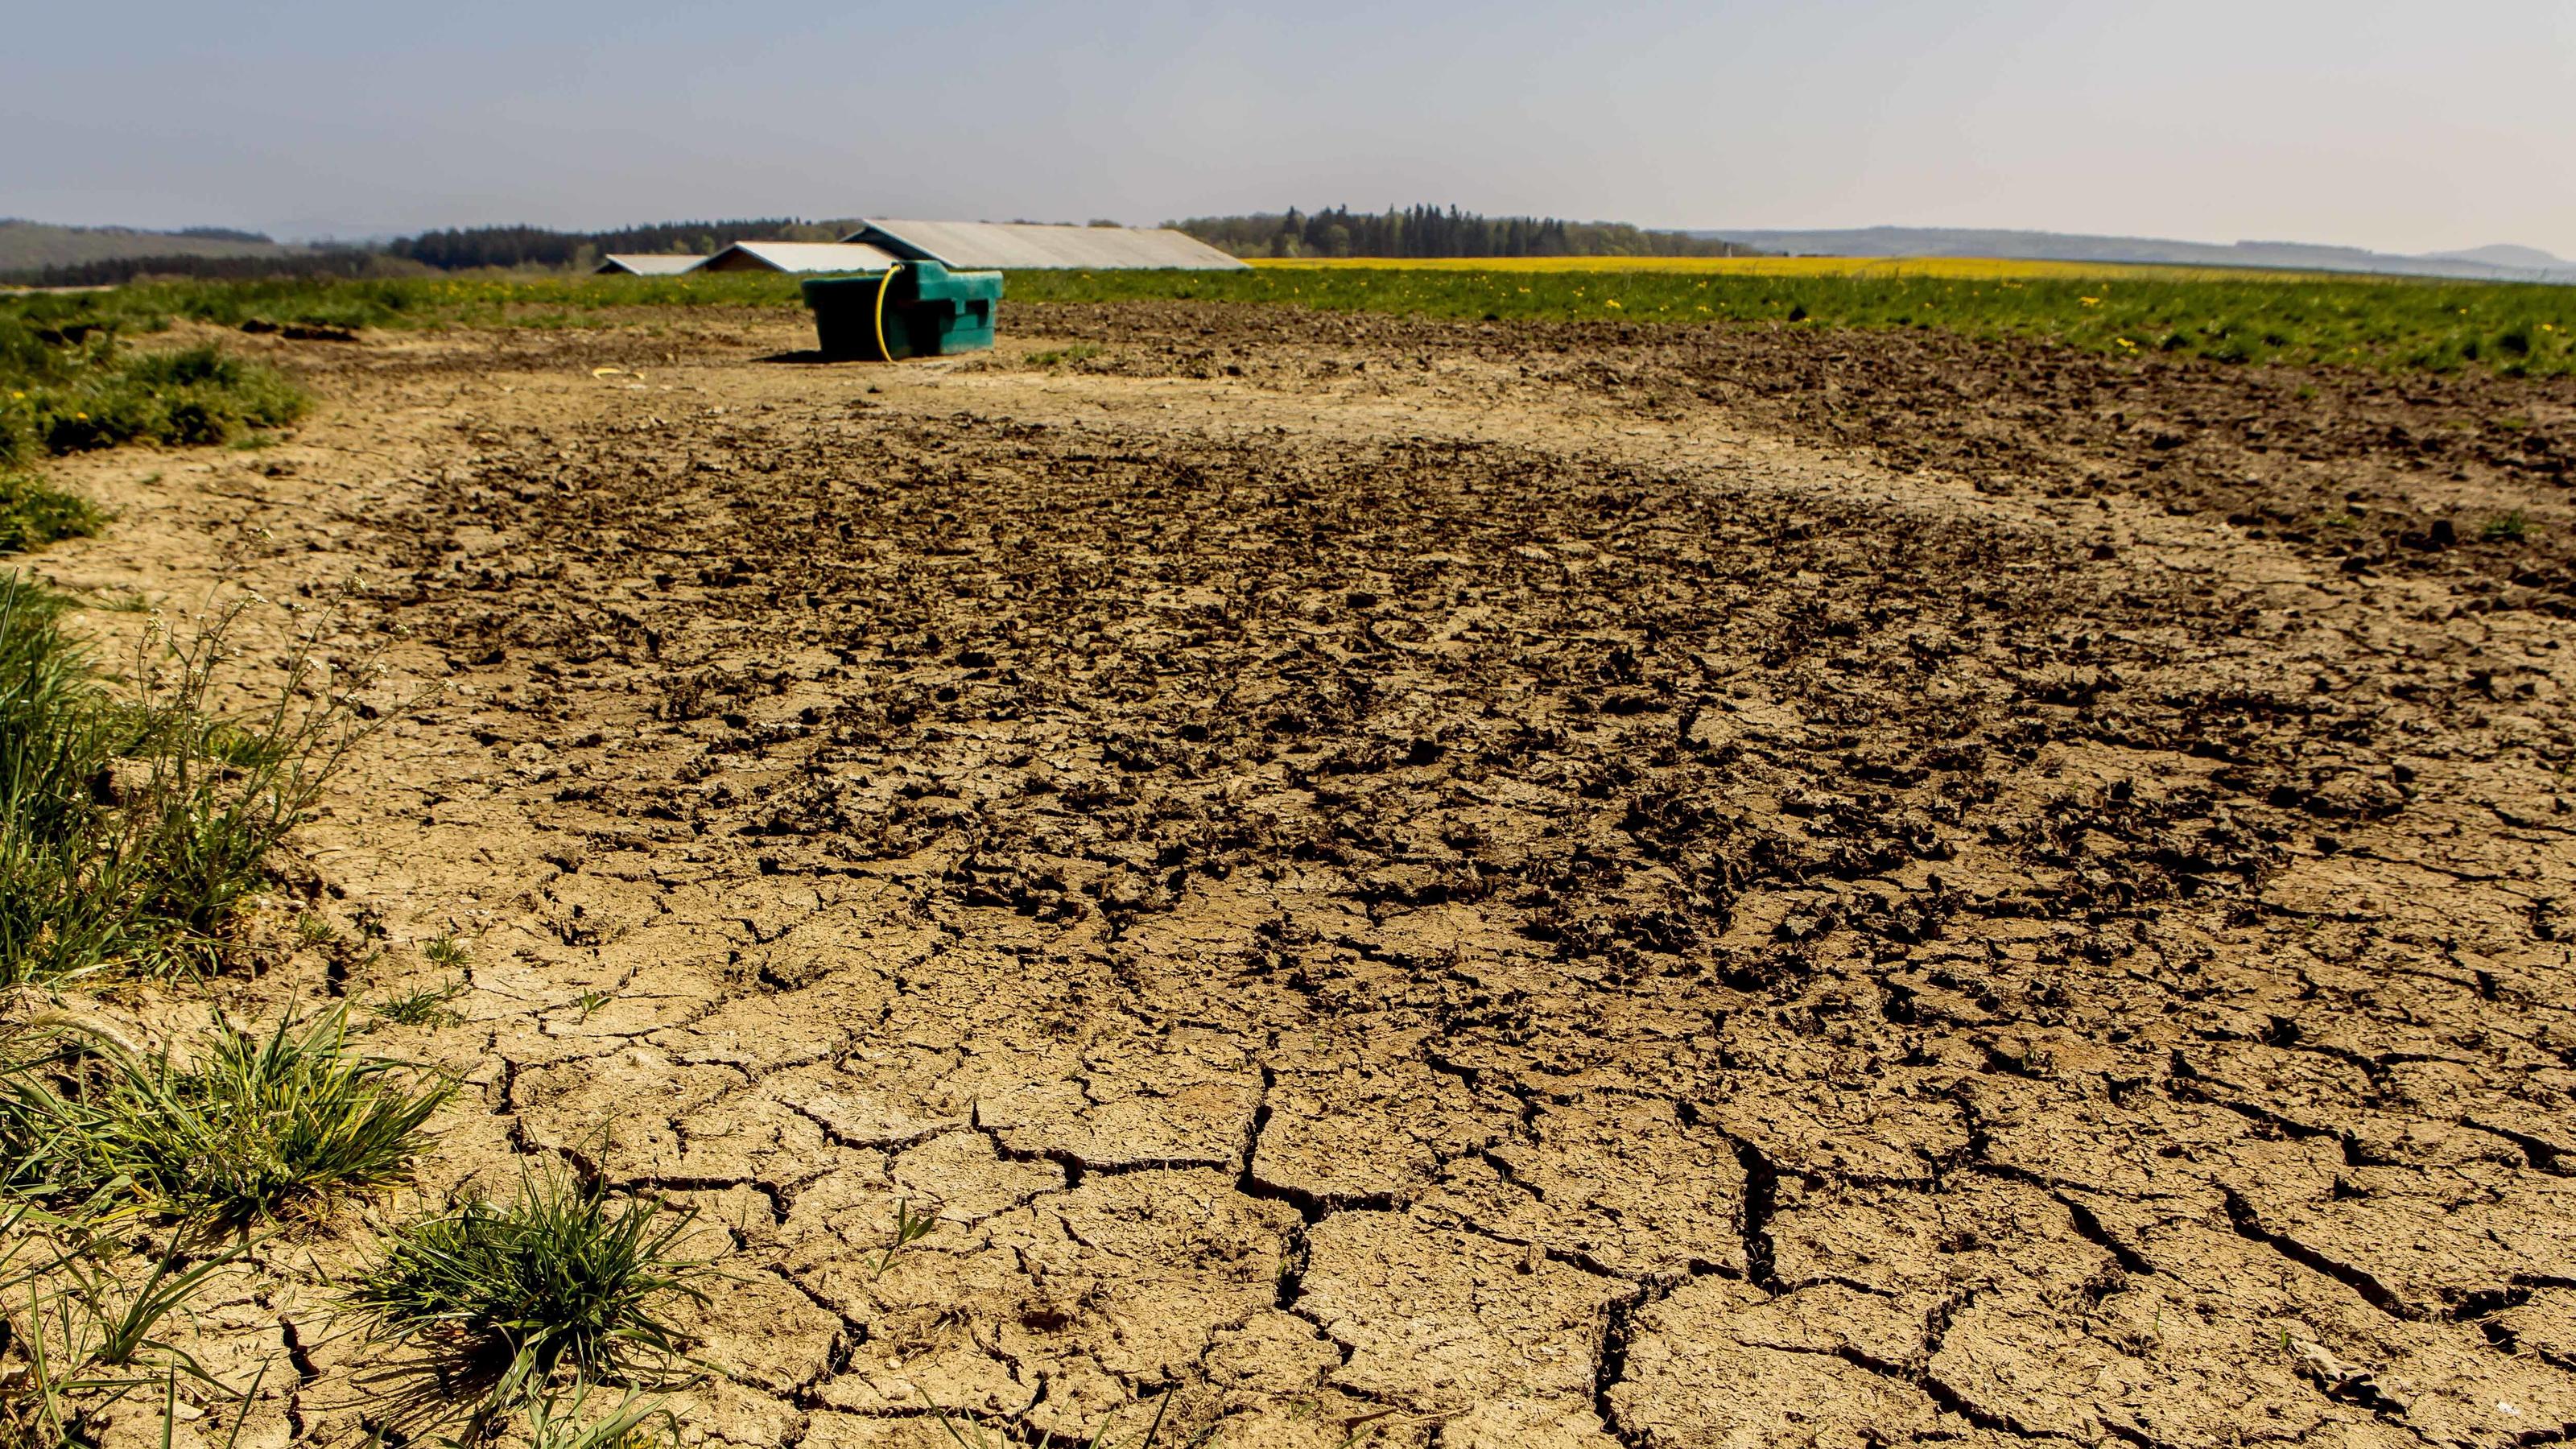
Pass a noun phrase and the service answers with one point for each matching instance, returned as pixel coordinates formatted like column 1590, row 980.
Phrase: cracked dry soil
column 1413, row 883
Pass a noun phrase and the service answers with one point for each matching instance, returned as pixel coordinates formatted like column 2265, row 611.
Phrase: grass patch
column 198, row 395
column 2506, row 528
column 34, row 513
column 80, row 1326
column 251, row 1127
column 70, row 386
column 67, row 386
column 135, row 823
column 1059, row 356
column 563, row 1277
column 422, row 1005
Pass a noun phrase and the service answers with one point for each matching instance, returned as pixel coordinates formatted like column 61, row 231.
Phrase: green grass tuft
column 562, row 1277
column 252, row 1127
column 422, row 1005
column 81, row 1324
column 134, row 825
column 34, row 513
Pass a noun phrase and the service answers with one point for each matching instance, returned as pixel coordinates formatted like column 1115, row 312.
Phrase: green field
column 2512, row 329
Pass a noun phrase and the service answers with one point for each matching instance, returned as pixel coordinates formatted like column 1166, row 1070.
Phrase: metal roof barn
column 1022, row 246
column 778, row 256
column 638, row 264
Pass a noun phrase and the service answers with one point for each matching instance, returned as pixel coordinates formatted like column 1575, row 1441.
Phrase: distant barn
column 638, row 264
column 1025, row 246
column 780, row 256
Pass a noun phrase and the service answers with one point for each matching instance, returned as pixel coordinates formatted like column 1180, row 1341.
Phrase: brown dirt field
column 1413, row 883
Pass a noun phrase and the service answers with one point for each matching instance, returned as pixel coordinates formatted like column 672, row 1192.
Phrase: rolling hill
column 31, row 245
column 2492, row 264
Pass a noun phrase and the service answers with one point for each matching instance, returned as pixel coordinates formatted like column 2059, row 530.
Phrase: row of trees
column 529, row 246
column 450, row 250
column 1419, row 231
column 354, row 263
column 1429, row 231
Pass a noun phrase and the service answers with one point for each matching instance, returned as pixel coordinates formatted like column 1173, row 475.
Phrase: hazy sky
column 2406, row 127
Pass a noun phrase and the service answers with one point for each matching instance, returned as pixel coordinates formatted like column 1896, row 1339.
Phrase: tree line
column 1430, row 231
column 1418, row 231
column 460, row 248
column 450, row 249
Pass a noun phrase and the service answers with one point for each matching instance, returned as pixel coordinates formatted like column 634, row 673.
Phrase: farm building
column 1022, row 246
column 635, row 264
column 779, row 256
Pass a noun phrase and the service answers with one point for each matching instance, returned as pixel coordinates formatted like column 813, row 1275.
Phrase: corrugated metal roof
column 639, row 264
column 778, row 256
column 978, row 245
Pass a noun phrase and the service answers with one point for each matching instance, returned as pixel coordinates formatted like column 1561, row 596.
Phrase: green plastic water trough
column 918, row 309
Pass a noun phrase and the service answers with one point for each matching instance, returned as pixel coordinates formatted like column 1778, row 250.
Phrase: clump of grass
column 562, row 1277
column 1057, row 356
column 134, row 824
column 2506, row 528
column 422, row 1005
column 444, row 950
column 34, row 513
column 254, row 1127
column 79, row 1329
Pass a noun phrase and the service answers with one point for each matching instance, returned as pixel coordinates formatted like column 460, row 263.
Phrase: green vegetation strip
column 2513, row 329
column 68, row 385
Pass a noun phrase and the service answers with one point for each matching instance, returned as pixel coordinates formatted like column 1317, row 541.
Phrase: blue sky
column 2406, row 127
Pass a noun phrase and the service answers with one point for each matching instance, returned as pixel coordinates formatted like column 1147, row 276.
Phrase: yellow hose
column 884, row 353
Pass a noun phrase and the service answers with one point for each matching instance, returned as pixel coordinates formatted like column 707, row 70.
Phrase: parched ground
column 1415, row 883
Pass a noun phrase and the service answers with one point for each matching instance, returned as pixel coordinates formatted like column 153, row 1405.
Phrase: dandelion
column 2090, row 301
column 1613, row 302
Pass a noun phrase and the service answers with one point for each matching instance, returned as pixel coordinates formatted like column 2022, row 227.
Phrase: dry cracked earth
column 1420, row 884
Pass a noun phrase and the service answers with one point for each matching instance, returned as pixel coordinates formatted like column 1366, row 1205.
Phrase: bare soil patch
column 1471, row 885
